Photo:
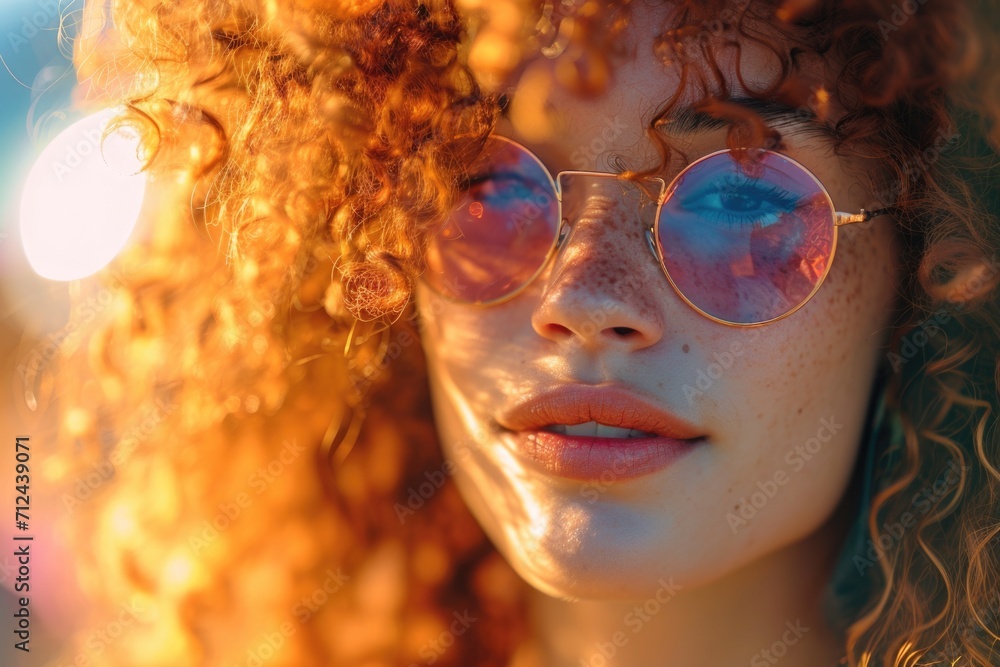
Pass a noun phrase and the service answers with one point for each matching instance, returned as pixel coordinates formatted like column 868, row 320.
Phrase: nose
column 604, row 288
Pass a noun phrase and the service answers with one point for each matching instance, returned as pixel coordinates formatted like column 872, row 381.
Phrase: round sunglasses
column 744, row 244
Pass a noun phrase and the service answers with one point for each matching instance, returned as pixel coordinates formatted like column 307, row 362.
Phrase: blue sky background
column 36, row 81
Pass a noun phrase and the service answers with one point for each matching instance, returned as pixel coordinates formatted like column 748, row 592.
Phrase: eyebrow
column 686, row 120
column 781, row 116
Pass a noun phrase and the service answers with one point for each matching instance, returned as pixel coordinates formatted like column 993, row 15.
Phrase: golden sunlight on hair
column 247, row 461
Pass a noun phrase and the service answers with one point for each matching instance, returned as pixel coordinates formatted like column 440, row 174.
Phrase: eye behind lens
column 500, row 233
column 741, row 248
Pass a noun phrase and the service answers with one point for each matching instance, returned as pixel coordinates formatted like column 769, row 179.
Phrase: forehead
column 544, row 113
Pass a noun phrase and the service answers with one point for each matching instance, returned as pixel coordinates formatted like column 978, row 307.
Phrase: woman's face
column 778, row 410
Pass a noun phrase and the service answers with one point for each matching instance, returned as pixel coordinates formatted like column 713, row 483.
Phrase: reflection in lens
column 501, row 231
column 746, row 248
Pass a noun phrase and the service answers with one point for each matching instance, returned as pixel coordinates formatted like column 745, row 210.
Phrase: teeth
column 593, row 429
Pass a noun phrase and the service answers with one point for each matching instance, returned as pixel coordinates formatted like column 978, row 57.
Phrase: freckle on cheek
column 686, row 349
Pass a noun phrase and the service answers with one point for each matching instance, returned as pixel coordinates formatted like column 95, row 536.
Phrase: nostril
column 559, row 329
column 624, row 331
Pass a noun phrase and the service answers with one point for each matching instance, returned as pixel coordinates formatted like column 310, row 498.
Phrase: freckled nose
column 605, row 287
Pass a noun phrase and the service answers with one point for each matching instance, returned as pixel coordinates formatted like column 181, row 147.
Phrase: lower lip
column 590, row 459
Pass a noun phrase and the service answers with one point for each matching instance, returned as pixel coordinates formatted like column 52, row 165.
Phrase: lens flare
column 82, row 199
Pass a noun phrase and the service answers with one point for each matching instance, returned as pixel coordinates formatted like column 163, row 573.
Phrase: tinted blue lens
column 746, row 244
column 499, row 235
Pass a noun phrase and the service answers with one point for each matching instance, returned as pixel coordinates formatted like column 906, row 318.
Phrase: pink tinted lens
column 746, row 245
column 501, row 231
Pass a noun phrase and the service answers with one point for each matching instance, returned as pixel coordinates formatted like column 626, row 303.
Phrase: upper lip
column 611, row 405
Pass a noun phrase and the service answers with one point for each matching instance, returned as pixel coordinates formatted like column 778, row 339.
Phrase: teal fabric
column 849, row 587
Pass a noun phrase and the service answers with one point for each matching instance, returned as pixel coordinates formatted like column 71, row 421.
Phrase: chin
column 599, row 580
column 576, row 556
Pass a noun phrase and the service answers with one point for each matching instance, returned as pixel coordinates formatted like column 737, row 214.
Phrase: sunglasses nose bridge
column 591, row 195
column 651, row 244
column 600, row 211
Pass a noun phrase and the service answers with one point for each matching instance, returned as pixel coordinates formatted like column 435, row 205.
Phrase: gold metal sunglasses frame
column 840, row 219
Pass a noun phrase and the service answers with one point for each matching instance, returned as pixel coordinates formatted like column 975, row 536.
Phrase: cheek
column 792, row 410
column 469, row 362
column 479, row 350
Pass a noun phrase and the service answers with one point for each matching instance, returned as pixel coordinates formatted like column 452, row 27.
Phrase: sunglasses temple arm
column 864, row 216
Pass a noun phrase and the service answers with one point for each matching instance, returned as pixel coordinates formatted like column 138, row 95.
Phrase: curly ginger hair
column 301, row 154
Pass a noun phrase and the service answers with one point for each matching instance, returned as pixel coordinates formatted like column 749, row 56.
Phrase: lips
column 591, row 432
column 610, row 405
